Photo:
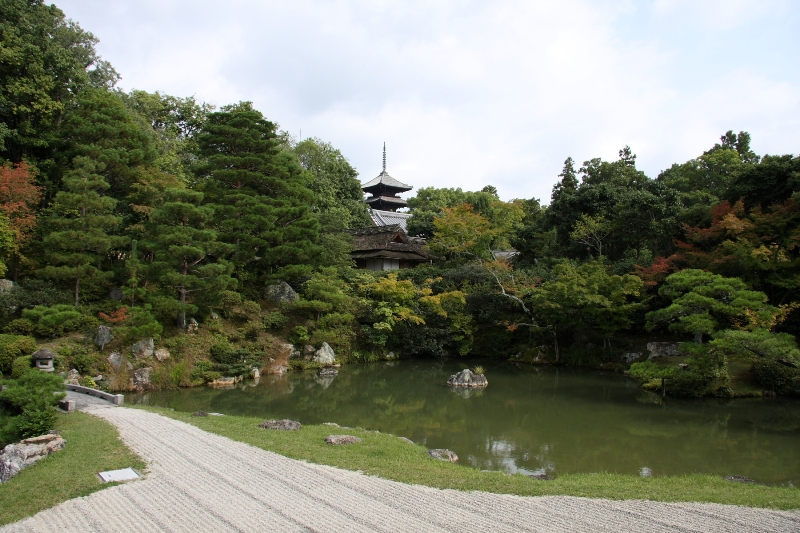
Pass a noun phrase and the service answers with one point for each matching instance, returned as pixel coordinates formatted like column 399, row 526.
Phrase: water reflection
column 529, row 420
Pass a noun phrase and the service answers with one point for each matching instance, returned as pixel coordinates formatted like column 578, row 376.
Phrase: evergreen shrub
column 775, row 376
column 20, row 366
column 55, row 320
column 13, row 346
column 20, row 326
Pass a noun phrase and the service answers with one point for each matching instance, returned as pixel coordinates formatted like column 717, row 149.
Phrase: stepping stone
column 125, row 474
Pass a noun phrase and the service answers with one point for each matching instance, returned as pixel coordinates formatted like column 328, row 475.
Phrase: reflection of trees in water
column 595, row 423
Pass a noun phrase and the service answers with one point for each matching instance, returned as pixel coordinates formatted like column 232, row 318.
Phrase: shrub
column 219, row 350
column 648, row 371
column 54, row 320
column 20, row 366
column 299, row 335
column 78, row 357
column 275, row 320
column 20, row 326
column 13, row 346
column 37, row 419
column 31, row 400
column 775, row 376
column 687, row 384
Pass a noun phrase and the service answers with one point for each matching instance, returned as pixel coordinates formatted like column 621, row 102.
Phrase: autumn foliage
column 19, row 197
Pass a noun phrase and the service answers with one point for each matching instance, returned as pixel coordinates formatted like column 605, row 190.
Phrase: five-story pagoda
column 384, row 190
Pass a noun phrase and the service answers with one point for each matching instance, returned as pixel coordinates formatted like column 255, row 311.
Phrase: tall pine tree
column 78, row 241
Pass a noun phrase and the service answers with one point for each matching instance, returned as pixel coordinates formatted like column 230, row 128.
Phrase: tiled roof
column 385, row 179
column 388, row 218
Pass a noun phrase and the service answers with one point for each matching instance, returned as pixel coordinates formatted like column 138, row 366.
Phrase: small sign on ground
column 124, row 474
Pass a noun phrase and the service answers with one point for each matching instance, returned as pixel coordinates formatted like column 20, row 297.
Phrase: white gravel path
column 203, row 482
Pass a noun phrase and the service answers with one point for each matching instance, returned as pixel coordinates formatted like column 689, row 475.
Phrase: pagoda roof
column 387, row 218
column 388, row 199
column 387, row 181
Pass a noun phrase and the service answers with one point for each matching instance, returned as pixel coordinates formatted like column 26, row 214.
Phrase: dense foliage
column 145, row 211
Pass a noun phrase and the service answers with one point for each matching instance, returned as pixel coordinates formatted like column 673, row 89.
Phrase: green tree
column 261, row 200
column 45, row 60
column 78, row 242
column 187, row 262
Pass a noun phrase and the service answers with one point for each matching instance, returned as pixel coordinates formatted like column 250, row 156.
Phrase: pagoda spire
column 384, row 157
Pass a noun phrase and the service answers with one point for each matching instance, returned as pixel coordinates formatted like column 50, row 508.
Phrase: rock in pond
column 443, row 454
column 467, row 378
column 280, row 425
column 324, row 355
column 339, row 440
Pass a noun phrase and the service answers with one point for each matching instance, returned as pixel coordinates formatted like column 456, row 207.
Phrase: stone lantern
column 43, row 359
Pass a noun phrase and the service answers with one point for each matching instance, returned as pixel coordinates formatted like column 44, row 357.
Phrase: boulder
column 281, row 425
column 161, row 354
column 390, row 356
column 6, row 284
column 72, row 377
column 115, row 360
column 443, row 455
column 143, row 348
column 199, row 413
column 467, row 378
column 256, row 373
column 741, row 479
column 324, row 355
column 116, row 294
column 15, row 457
column 630, row 357
column 339, row 440
column 538, row 475
column 663, row 349
column 192, row 326
column 103, row 336
column 308, row 349
column 141, row 378
column 280, row 293
column 224, row 382
column 404, row 439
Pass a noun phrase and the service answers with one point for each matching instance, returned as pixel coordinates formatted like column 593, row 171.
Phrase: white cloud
column 467, row 93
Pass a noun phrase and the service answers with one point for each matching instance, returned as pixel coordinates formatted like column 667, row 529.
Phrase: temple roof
column 386, row 218
column 386, row 181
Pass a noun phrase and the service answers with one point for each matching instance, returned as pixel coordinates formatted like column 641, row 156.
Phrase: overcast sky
column 472, row 93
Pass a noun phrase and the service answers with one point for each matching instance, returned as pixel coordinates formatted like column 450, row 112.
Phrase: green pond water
column 528, row 420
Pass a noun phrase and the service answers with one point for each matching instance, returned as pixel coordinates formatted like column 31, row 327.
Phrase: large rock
column 161, row 354
column 192, row 326
column 115, row 360
column 630, row 357
column 72, row 377
column 281, row 425
column 143, row 348
column 103, row 336
column 6, row 284
column 663, row 349
column 467, row 378
column 281, row 293
column 141, row 378
column 324, row 355
column 443, row 455
column 339, row 440
column 15, row 457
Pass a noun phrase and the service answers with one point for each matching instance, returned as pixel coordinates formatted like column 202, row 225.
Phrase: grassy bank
column 389, row 457
column 93, row 446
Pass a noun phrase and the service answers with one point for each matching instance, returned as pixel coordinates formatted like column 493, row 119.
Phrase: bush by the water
column 13, row 346
column 775, row 376
column 30, row 401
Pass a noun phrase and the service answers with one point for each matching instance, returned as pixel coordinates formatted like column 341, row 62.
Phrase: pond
column 529, row 419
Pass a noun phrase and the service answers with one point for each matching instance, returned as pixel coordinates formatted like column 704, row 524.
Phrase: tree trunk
column 181, row 322
column 698, row 338
column 77, row 288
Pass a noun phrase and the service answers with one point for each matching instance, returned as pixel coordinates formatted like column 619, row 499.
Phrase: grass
column 391, row 458
column 93, row 446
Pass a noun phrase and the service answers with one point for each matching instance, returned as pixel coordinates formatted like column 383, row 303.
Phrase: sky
column 471, row 93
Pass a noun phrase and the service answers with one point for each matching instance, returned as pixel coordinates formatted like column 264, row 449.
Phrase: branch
column 515, row 298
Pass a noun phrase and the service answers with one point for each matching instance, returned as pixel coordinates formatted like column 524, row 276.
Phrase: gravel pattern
column 198, row 481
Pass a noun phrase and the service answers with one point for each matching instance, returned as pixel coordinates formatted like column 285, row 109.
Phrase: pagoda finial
column 384, row 158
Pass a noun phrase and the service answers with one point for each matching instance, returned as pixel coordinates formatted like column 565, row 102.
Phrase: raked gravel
column 198, row 481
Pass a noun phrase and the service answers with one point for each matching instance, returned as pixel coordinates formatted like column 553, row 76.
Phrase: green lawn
column 389, row 457
column 93, row 446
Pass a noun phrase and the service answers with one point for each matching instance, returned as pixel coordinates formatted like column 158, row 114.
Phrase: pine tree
column 186, row 256
column 259, row 193
column 79, row 240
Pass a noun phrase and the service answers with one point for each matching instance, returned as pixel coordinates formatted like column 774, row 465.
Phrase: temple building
column 385, row 245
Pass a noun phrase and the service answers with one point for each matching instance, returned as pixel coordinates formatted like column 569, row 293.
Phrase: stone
column 192, row 326
column 443, row 454
column 72, row 377
column 741, row 479
column 538, row 475
column 199, row 413
column 340, row 440
column 116, row 294
column 324, row 355
column 5, row 285
column 224, row 382
column 328, row 372
column 391, row 356
column 467, row 378
column 663, row 349
column 161, row 354
column 280, row 293
column 256, row 373
column 281, row 425
column 103, row 336
column 406, row 440
column 308, row 349
column 143, row 348
column 115, row 360
column 15, row 457
column 141, row 378
column 630, row 357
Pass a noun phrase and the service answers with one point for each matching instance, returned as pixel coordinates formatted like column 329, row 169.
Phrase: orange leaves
column 18, row 198
column 116, row 317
